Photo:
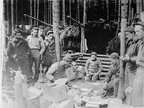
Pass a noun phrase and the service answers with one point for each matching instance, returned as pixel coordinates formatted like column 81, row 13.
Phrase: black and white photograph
column 72, row 53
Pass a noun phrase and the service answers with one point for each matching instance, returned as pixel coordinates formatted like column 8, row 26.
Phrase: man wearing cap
column 57, row 70
column 37, row 48
column 49, row 56
column 93, row 67
column 138, row 84
column 112, row 78
column 130, row 64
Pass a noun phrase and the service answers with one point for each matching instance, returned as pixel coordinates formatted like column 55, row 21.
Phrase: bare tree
column 56, row 19
column 124, row 9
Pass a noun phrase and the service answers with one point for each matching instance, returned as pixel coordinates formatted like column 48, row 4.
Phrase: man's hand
column 125, row 58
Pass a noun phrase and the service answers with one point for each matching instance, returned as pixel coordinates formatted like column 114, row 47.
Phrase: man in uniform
column 112, row 78
column 138, row 86
column 93, row 67
column 37, row 48
column 130, row 64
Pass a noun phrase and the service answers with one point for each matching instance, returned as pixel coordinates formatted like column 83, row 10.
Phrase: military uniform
column 138, row 85
column 112, row 78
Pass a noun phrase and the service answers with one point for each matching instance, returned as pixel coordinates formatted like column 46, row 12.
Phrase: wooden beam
column 124, row 9
column 56, row 19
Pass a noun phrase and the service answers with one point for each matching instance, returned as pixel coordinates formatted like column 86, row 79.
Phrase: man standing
column 130, row 64
column 37, row 48
column 93, row 67
column 138, row 86
column 49, row 56
column 18, row 51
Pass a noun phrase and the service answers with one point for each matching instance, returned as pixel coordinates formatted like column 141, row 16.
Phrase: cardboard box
column 55, row 92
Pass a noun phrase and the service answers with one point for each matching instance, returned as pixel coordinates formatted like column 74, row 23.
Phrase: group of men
column 133, row 63
column 23, row 52
column 40, row 48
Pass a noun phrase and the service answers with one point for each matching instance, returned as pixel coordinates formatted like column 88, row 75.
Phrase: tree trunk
column 64, row 21
column 16, row 13
column 56, row 19
column 82, row 29
column 8, row 17
column 70, row 11
column 78, row 10
column 107, row 4
column 31, row 7
column 45, row 10
column 12, row 15
column 138, row 8
column 48, row 12
column 124, row 9
column 51, row 13
column 37, row 11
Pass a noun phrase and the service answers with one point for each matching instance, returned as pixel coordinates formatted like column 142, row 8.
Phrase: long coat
column 18, row 53
column 49, row 56
column 138, row 86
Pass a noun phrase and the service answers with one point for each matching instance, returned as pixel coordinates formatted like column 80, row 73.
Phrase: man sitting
column 57, row 69
column 112, row 78
column 93, row 67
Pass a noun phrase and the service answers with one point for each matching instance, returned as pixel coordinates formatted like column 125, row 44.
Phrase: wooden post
column 70, row 11
column 78, row 10
column 31, row 8
column 82, row 29
column 107, row 4
column 124, row 8
column 12, row 15
column 45, row 10
column 56, row 19
column 64, row 21
column 37, row 11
